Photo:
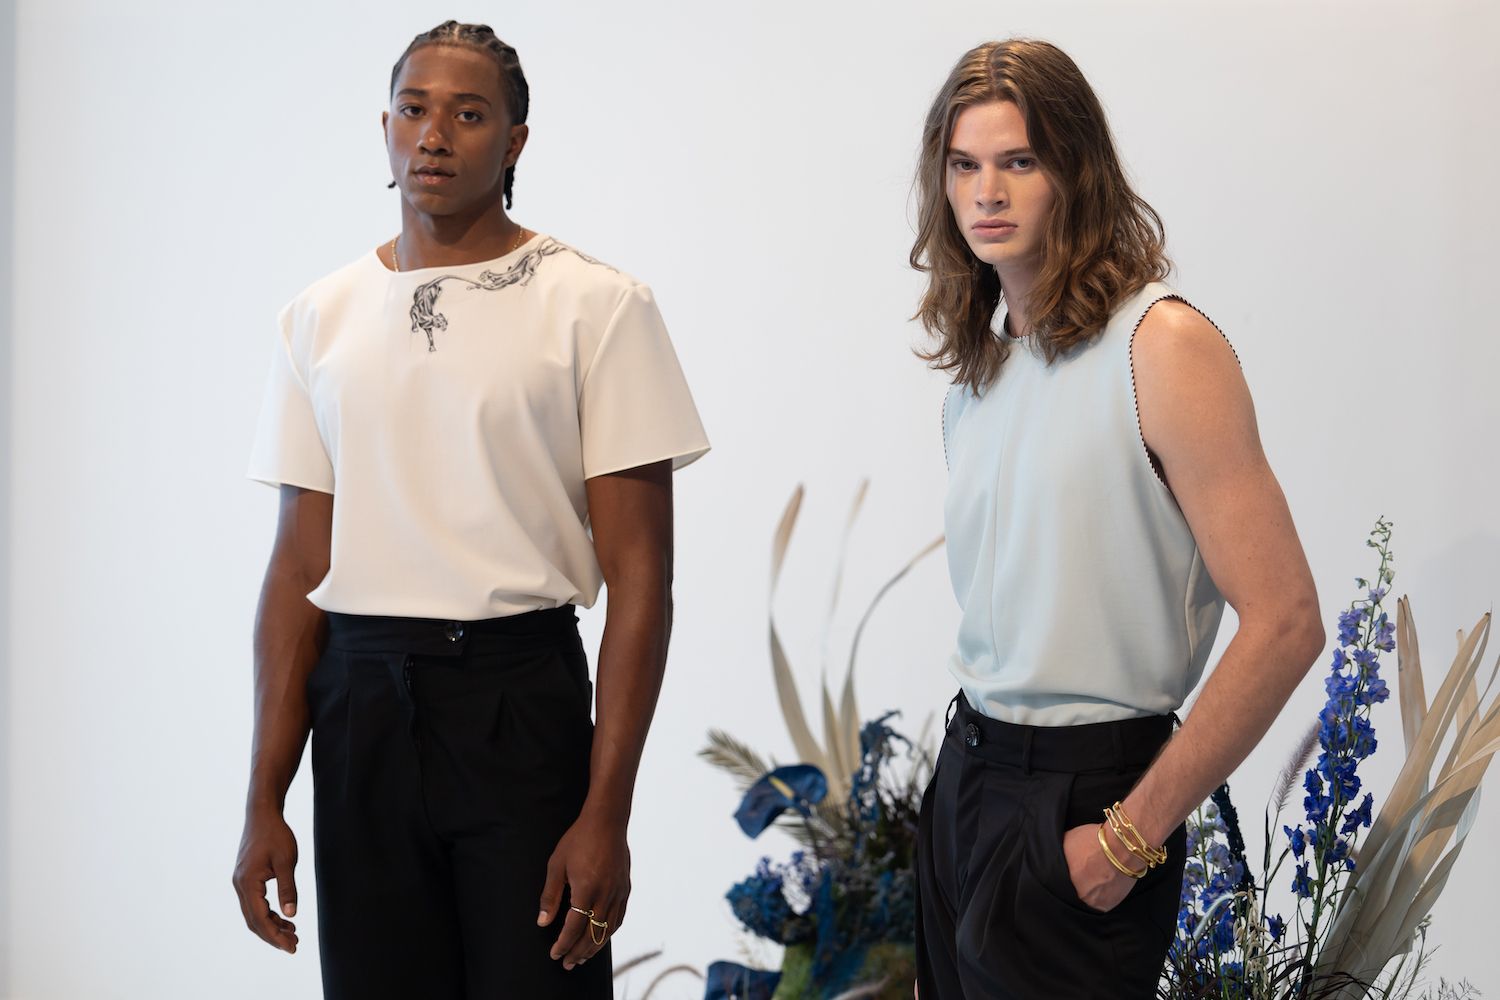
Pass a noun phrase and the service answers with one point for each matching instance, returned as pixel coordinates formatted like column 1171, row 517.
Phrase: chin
column 429, row 203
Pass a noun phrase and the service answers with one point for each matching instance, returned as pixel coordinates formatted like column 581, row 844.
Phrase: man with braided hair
column 472, row 428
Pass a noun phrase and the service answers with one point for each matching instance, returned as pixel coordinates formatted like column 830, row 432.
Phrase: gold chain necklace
column 520, row 231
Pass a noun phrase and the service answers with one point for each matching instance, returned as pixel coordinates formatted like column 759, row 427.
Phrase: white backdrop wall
column 181, row 170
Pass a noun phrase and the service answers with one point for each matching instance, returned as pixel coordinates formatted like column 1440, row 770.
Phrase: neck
column 1016, row 281
column 453, row 240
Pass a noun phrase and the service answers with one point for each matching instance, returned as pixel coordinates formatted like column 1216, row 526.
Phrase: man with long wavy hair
column 1107, row 494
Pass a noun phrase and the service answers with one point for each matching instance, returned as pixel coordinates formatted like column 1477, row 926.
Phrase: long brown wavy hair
column 1103, row 242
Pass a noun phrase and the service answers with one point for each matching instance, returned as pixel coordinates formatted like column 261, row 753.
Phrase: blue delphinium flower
column 1343, row 779
column 1315, row 802
column 1223, row 932
column 1277, row 926
column 1359, row 817
column 1297, row 840
column 1341, row 685
column 1385, row 639
column 1349, row 622
column 1301, row 884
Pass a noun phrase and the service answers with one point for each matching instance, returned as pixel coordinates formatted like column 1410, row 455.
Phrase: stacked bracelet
column 1116, row 861
column 1131, row 838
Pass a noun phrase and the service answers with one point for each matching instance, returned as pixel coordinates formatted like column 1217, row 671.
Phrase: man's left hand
column 1098, row 883
column 593, row 861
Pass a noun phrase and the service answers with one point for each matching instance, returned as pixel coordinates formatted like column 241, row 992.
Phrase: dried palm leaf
column 729, row 754
column 791, row 708
column 1434, row 726
column 1391, row 893
column 837, row 748
column 840, row 755
column 838, row 572
column 1409, row 671
column 786, row 686
column 849, row 711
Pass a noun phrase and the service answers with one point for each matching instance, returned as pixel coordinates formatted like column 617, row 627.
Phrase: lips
column 432, row 175
column 993, row 228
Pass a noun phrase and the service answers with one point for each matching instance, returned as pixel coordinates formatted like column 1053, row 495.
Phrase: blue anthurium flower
column 799, row 787
column 728, row 981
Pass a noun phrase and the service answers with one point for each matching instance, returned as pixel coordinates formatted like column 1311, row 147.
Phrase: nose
column 434, row 142
column 992, row 192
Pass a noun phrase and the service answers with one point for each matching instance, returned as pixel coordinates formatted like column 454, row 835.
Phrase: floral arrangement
column 1360, row 907
column 844, row 906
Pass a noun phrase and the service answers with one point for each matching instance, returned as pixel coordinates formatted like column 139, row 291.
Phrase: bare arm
column 1198, row 420
column 631, row 516
column 290, row 633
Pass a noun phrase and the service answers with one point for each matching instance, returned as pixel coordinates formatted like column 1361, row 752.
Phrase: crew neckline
column 375, row 254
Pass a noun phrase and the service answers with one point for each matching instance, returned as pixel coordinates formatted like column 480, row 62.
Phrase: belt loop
column 952, row 708
column 1026, row 749
column 1114, row 730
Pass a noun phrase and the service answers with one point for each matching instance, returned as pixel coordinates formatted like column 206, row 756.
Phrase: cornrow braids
column 482, row 37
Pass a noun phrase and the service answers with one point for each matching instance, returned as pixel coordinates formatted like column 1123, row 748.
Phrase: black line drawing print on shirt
column 424, row 315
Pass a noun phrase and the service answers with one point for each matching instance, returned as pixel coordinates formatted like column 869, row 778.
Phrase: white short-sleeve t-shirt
column 455, row 412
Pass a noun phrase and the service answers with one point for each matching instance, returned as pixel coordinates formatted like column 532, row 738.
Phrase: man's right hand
column 268, row 850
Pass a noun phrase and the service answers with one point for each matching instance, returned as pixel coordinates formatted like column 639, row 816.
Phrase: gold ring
column 600, row 936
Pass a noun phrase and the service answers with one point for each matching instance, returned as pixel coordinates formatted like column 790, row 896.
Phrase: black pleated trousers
column 448, row 760
column 997, row 915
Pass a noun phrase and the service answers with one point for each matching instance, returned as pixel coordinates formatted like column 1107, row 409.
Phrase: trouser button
column 454, row 631
column 972, row 735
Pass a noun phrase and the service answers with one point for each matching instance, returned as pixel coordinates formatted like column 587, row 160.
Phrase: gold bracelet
column 1116, row 861
column 1132, row 839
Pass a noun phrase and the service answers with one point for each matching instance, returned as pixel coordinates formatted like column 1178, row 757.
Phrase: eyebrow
column 416, row 92
column 954, row 151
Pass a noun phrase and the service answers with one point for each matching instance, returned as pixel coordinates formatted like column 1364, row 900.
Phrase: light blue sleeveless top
column 1084, row 597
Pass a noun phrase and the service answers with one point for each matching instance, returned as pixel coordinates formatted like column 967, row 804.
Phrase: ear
column 518, row 136
column 385, row 125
